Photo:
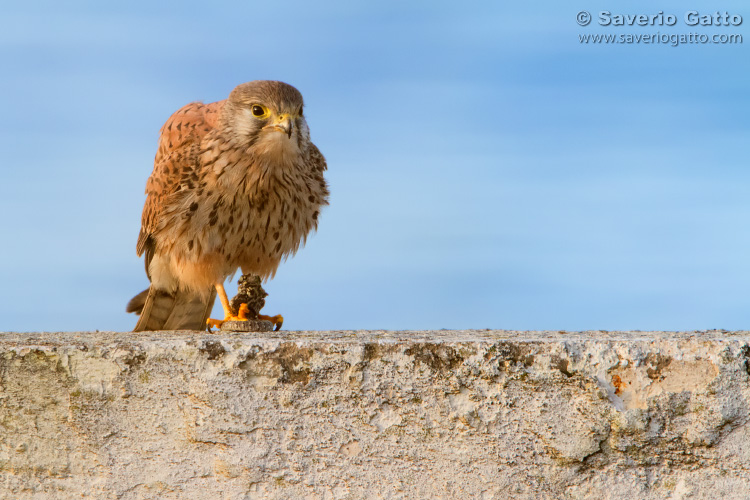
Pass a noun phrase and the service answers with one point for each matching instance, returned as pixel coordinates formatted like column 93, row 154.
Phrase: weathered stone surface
column 368, row 415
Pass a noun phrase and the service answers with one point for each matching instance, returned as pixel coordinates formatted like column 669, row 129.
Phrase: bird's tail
column 180, row 310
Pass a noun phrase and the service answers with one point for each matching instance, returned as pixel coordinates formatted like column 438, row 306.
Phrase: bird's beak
column 284, row 124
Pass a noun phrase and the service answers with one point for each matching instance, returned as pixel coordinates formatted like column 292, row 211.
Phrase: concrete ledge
column 367, row 415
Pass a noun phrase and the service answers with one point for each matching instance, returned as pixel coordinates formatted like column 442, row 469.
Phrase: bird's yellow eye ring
column 259, row 111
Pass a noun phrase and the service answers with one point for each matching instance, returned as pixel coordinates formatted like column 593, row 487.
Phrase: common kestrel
column 236, row 184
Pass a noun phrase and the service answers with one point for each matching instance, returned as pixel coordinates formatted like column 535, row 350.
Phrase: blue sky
column 487, row 169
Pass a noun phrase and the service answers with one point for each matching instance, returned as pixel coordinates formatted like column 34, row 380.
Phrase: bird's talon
column 277, row 320
column 242, row 313
column 214, row 323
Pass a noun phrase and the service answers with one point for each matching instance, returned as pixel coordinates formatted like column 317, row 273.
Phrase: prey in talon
column 237, row 184
column 247, row 304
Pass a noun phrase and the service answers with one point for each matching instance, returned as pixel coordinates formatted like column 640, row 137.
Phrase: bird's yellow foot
column 210, row 322
column 242, row 312
column 277, row 320
column 241, row 316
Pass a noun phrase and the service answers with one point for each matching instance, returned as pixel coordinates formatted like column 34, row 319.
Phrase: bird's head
column 268, row 116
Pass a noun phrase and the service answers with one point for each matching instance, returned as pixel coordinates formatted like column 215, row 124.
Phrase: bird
column 236, row 184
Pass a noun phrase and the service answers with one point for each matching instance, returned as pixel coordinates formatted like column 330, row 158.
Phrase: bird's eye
column 259, row 111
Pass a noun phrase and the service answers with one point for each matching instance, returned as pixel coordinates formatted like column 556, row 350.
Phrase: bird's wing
column 316, row 158
column 175, row 165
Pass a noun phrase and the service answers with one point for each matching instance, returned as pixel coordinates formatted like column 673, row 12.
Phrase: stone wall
column 368, row 415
